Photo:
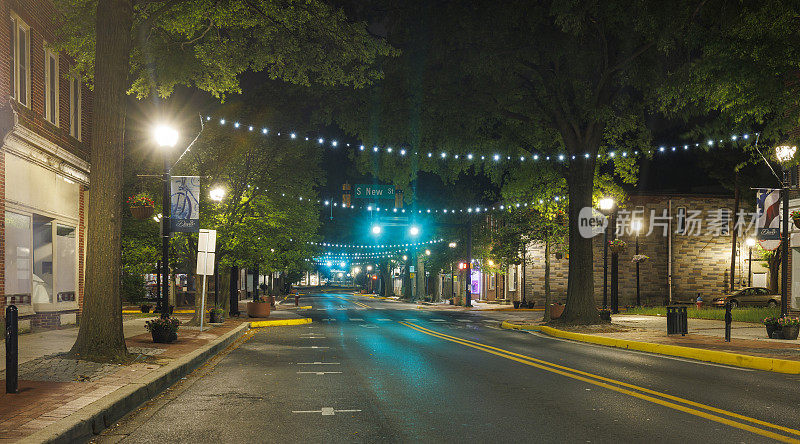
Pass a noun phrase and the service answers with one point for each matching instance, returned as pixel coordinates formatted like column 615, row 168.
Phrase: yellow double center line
column 687, row 406
column 355, row 302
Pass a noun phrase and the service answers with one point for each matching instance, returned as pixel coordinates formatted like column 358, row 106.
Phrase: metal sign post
column 206, row 247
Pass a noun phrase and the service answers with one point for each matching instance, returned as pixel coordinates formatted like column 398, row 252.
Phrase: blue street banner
column 768, row 207
column 185, row 204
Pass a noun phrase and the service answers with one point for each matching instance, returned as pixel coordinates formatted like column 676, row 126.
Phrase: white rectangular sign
column 206, row 246
column 207, row 241
column 205, row 263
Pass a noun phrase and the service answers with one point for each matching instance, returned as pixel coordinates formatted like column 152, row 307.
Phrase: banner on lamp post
column 185, row 204
column 768, row 204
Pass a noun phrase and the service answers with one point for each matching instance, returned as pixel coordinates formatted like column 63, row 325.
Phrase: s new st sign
column 364, row 191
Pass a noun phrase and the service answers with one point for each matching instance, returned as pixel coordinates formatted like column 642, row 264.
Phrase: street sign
column 365, row 191
column 206, row 248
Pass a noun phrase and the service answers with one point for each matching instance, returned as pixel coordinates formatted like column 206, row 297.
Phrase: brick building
column 690, row 235
column 45, row 115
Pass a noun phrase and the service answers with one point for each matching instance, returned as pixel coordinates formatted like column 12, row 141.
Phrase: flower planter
column 516, row 304
column 258, row 309
column 556, row 310
column 605, row 315
column 163, row 336
column 216, row 317
column 790, row 332
column 617, row 249
column 142, row 212
column 771, row 329
column 796, row 222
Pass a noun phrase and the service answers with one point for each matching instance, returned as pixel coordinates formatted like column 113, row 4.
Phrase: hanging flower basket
column 617, row 246
column 795, row 215
column 639, row 258
column 141, row 206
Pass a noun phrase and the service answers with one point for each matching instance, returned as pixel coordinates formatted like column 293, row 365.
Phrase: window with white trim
column 492, row 280
column 75, row 107
column 21, row 66
column 51, row 88
column 512, row 278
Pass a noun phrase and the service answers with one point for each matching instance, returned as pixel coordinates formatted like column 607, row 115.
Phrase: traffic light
column 462, row 265
column 346, row 194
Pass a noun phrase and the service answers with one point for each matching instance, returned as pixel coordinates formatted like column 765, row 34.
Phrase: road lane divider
column 354, row 302
column 280, row 322
column 718, row 357
column 664, row 399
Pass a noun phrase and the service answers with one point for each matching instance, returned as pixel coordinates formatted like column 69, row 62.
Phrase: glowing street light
column 427, row 252
column 452, row 245
column 414, row 230
column 342, row 264
column 217, row 194
column 785, row 153
column 376, row 229
column 166, row 138
column 369, row 267
column 606, row 203
column 405, row 258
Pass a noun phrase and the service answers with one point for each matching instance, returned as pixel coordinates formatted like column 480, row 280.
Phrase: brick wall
column 701, row 264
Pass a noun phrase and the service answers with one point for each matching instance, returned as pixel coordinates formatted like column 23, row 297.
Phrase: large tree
column 147, row 47
column 579, row 78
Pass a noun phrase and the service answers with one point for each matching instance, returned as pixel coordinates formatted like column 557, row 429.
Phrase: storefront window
column 42, row 260
column 18, row 259
column 66, row 263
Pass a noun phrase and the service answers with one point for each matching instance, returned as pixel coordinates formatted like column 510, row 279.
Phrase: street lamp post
column 750, row 244
column 784, row 154
column 637, row 226
column 606, row 205
column 165, row 137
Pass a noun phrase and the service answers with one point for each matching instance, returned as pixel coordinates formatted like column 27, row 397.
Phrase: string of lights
column 382, row 246
column 496, row 157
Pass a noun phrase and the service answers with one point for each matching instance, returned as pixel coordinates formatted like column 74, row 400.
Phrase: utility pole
column 468, row 296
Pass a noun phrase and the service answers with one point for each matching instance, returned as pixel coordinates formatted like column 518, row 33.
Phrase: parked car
column 752, row 296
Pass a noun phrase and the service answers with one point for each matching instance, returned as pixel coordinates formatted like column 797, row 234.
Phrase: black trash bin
column 676, row 320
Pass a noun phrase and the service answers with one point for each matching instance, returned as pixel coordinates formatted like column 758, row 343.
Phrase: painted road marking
column 318, row 363
column 357, row 319
column 326, row 411
column 320, row 373
column 384, row 319
column 411, row 320
column 329, row 320
column 635, row 391
column 464, row 320
column 369, row 326
column 438, row 320
column 312, row 346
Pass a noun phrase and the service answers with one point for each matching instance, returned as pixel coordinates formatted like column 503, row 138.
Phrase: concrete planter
column 142, row 213
column 258, row 309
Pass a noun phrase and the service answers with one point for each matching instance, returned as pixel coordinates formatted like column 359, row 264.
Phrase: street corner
column 279, row 322
column 519, row 325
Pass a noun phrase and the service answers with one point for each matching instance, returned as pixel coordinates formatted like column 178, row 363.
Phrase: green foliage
column 740, row 314
column 208, row 44
column 133, row 287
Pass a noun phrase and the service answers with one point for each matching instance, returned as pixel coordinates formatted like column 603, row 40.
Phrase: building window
column 492, row 280
column 42, row 259
column 21, row 51
column 75, row 107
column 512, row 278
column 51, row 86
column 18, row 259
column 66, row 263
column 680, row 220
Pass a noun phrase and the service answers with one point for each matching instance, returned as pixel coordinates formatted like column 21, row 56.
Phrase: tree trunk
column 547, row 299
column 233, row 295
column 581, row 307
column 198, row 298
column 735, row 232
column 223, row 301
column 100, row 337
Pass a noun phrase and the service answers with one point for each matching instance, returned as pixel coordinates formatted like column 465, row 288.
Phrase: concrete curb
column 718, row 357
column 92, row 419
column 280, row 322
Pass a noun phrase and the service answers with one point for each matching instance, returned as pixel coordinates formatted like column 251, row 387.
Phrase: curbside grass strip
column 280, row 322
column 717, row 357
column 97, row 416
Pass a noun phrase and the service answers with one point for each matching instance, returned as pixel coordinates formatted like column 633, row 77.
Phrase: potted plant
column 217, row 316
column 790, row 326
column 795, row 215
column 258, row 309
column 145, row 308
column 164, row 330
column 141, row 205
column 605, row 315
column 771, row 323
column 617, row 246
column 639, row 258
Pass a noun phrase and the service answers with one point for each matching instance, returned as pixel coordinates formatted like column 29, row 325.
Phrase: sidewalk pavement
column 705, row 340
column 63, row 399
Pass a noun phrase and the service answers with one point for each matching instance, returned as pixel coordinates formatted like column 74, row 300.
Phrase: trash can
column 677, row 320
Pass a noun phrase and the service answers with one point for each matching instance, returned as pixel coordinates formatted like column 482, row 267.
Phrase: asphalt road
column 369, row 370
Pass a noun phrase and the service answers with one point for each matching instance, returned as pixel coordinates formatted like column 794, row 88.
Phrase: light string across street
column 470, row 157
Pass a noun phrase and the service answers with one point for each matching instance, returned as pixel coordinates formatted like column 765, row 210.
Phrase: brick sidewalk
column 52, row 388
